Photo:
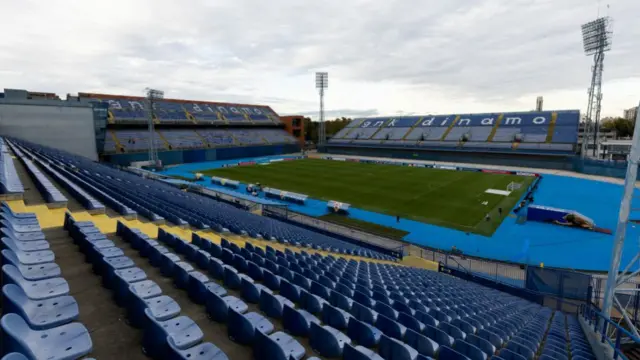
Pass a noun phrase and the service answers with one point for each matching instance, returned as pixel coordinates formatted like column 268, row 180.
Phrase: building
column 294, row 125
column 539, row 102
column 630, row 114
column 615, row 149
column 603, row 136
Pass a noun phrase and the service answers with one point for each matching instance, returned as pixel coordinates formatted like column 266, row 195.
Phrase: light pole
column 322, row 83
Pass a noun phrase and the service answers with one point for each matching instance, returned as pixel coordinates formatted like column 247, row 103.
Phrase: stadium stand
column 9, row 180
column 290, row 304
column 188, row 131
column 537, row 132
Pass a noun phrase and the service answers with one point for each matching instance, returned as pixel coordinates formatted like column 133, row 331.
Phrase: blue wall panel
column 197, row 155
column 201, row 155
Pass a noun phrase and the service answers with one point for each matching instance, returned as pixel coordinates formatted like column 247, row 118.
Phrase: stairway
column 164, row 140
column 116, row 141
column 98, row 312
column 204, row 141
column 495, row 128
column 412, row 127
column 552, row 126
column 453, row 123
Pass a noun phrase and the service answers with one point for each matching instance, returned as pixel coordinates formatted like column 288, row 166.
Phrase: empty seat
column 183, row 332
column 469, row 350
column 392, row 349
column 31, row 272
column 421, row 343
column 197, row 286
column 242, row 327
column 70, row 341
column 327, row 341
column 272, row 305
column 217, row 307
column 277, row 346
column 446, row 353
column 359, row 353
column 203, row 351
column 363, row 333
column 39, row 314
column 35, row 290
column 297, row 322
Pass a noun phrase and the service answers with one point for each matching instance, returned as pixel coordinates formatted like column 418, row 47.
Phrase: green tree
column 332, row 127
column 622, row 127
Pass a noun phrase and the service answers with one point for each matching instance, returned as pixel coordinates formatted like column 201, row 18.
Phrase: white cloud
column 384, row 57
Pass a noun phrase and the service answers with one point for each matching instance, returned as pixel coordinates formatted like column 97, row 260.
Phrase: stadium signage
column 520, row 173
column 246, row 163
column 446, row 167
column 490, row 171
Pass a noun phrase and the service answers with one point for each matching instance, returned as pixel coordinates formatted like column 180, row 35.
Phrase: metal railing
column 343, row 230
column 609, row 332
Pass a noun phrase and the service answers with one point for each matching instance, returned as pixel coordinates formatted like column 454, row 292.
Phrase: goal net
column 513, row 186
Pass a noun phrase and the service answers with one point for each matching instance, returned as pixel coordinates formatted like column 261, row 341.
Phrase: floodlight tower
column 596, row 39
column 322, row 82
column 152, row 96
column 616, row 278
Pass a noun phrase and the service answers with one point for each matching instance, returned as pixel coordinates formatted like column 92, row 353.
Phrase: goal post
column 513, row 186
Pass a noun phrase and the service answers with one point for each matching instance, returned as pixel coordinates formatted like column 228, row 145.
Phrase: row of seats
column 84, row 198
column 39, row 318
column 131, row 141
column 166, row 333
column 48, row 190
column 9, row 181
column 158, row 201
column 319, row 289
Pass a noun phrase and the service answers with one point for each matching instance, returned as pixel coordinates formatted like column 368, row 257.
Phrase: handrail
column 591, row 315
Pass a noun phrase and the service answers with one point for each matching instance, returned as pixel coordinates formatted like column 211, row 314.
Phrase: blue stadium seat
column 277, row 346
column 42, row 314
column 392, row 349
column 197, row 286
column 390, row 327
column 31, row 272
column 422, row 344
column 181, row 274
column 359, row 353
column 363, row 333
column 469, row 350
column 327, row 341
column 446, row 353
column 202, row 351
column 14, row 356
column 272, row 305
column 181, row 331
column 297, row 322
column 69, row 341
column 218, row 307
column 35, row 290
column 242, row 327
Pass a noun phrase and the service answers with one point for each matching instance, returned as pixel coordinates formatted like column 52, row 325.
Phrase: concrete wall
column 69, row 128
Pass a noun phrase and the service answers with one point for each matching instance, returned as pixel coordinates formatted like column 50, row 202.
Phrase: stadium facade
column 114, row 128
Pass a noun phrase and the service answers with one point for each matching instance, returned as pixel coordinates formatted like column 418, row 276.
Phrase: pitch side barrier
column 552, row 299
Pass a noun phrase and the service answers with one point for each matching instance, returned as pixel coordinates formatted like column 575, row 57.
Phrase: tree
column 332, row 127
column 622, row 127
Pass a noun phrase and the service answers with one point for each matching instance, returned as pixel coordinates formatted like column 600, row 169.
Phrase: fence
column 609, row 332
column 346, row 233
column 543, row 161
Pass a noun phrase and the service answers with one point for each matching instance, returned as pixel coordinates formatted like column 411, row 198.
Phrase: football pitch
column 454, row 199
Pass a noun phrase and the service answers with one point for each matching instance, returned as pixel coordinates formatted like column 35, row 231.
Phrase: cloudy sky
column 383, row 56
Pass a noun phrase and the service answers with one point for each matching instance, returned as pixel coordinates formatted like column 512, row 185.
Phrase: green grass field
column 455, row 199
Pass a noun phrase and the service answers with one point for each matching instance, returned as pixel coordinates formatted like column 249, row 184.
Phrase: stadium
column 150, row 227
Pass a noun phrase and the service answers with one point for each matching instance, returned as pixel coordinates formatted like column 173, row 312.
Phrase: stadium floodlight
column 596, row 39
column 322, row 83
column 152, row 96
column 616, row 278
